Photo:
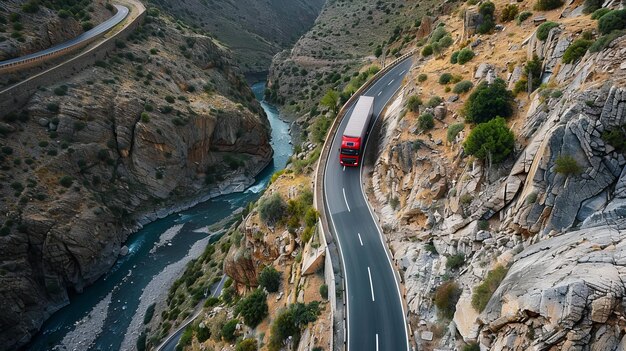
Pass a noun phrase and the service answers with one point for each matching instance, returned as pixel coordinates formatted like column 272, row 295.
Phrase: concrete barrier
column 15, row 96
column 334, row 261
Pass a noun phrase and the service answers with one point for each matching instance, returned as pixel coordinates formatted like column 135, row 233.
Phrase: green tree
column 249, row 344
column 547, row 5
column 290, row 322
column 488, row 101
column 614, row 20
column 492, row 141
column 331, row 100
column 229, row 329
column 532, row 71
column 427, row 50
column 576, row 50
column 253, row 308
column 269, row 278
column 272, row 209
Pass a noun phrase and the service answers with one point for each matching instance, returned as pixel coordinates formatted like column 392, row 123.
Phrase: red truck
column 353, row 139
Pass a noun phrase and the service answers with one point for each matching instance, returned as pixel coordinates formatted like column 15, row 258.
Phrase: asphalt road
column 376, row 319
column 172, row 341
column 122, row 12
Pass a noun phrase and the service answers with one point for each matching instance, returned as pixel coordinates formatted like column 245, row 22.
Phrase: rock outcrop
column 116, row 146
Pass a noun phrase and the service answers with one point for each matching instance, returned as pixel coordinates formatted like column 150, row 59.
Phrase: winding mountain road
column 122, row 12
column 375, row 314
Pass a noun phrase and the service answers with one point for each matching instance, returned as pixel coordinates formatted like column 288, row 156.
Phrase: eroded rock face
column 576, row 306
column 126, row 142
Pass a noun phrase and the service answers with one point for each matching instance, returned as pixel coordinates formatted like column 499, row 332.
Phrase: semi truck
column 353, row 139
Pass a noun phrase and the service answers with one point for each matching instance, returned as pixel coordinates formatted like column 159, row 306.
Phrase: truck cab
column 349, row 153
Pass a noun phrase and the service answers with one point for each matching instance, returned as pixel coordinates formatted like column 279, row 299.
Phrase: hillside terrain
column 165, row 121
column 509, row 231
column 253, row 30
column 347, row 36
column 30, row 26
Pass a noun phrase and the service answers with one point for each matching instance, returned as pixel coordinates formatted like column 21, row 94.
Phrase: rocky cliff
column 253, row 30
column 166, row 121
column 551, row 214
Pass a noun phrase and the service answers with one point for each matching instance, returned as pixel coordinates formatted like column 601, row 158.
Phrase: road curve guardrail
column 68, row 46
column 318, row 200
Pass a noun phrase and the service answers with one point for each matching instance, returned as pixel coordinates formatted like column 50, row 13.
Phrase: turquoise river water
column 98, row 318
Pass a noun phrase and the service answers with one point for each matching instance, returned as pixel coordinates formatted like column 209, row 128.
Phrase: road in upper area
column 122, row 12
column 376, row 319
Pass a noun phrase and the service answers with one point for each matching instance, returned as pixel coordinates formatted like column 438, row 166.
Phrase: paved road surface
column 375, row 316
column 170, row 344
column 122, row 12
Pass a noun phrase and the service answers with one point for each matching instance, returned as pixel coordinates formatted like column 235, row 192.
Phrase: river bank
column 124, row 285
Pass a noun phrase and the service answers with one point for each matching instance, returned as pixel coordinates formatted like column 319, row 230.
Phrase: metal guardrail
column 318, row 193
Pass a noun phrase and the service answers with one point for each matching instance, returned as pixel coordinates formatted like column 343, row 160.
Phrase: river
column 98, row 318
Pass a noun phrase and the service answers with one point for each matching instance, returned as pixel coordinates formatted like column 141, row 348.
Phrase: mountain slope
column 165, row 121
column 254, row 30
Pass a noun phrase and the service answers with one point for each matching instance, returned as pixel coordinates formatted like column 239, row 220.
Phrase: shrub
column 87, row 26
column 249, row 344
column 599, row 13
column 170, row 99
column 253, row 308
column 290, row 321
column 413, row 103
column 229, row 329
column 66, row 181
column 454, row 58
column 269, row 278
column 211, row 301
column 471, row 347
column 567, row 165
column 324, row 291
column 434, row 101
column 592, row 6
column 606, row 40
column 509, row 12
column 576, row 50
column 446, row 41
column 547, row 5
column 544, row 29
column 422, row 77
column 492, row 141
column 613, row 20
column 60, row 91
column 426, row 121
column 272, row 209
column 487, row 9
column 488, row 101
column 465, row 55
column 483, row 292
column 446, row 297
column 531, row 198
column 533, row 70
column 617, row 138
column 445, row 78
column 463, row 87
column 455, row 261
column 454, row 130
column 523, row 16
column 427, row 50
column 52, row 107
column 145, row 117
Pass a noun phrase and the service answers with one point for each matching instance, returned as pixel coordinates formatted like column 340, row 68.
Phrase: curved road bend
column 122, row 12
column 376, row 319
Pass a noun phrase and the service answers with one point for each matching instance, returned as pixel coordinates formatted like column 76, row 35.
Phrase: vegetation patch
column 446, row 297
column 488, row 101
column 484, row 291
column 492, row 141
column 576, row 50
column 544, row 29
column 290, row 322
column 567, row 165
column 547, row 5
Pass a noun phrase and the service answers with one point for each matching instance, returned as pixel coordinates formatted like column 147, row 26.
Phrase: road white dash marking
column 380, row 92
column 391, row 82
column 369, row 273
column 376, row 342
column 401, row 73
column 361, row 241
column 344, row 168
column 345, row 199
